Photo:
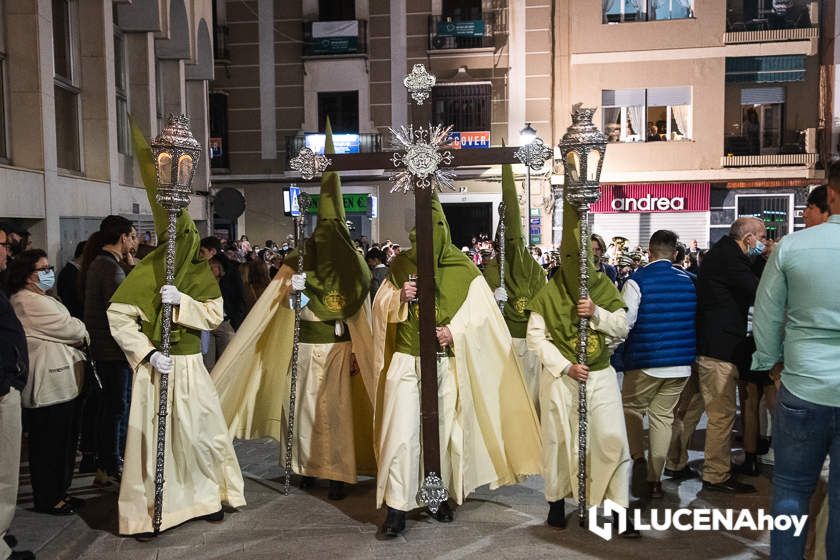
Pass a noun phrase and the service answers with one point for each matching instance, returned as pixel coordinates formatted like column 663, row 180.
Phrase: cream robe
column 531, row 369
column 200, row 468
column 489, row 432
column 333, row 411
column 608, row 452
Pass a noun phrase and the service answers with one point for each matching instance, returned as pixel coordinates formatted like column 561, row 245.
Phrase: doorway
column 468, row 220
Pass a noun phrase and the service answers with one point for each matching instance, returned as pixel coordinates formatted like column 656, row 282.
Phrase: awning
column 766, row 69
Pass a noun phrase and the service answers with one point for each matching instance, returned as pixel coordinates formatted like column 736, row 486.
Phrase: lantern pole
column 174, row 147
column 582, row 146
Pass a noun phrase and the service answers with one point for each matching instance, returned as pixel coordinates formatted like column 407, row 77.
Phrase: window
column 3, row 140
column 336, row 10
column 774, row 211
column 620, row 11
column 461, row 10
column 761, row 119
column 647, row 115
column 66, row 86
column 342, row 107
column 121, row 88
column 466, row 107
column 219, row 131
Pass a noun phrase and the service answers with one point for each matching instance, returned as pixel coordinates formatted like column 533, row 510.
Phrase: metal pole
column 163, row 379
column 303, row 204
column 583, row 336
column 528, row 206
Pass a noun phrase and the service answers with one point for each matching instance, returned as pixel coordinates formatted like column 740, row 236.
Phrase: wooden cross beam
column 382, row 160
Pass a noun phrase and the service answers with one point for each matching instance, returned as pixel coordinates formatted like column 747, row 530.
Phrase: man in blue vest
column 658, row 353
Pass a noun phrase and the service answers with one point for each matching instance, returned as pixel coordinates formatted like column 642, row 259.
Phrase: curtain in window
column 682, row 116
column 683, row 8
column 636, row 116
column 608, row 5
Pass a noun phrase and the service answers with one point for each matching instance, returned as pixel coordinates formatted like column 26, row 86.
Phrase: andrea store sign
column 653, row 197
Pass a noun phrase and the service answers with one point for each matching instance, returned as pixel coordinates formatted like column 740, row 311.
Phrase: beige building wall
column 61, row 207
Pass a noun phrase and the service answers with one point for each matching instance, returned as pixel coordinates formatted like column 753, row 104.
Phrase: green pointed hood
column 337, row 275
column 557, row 301
column 524, row 276
column 192, row 274
column 454, row 271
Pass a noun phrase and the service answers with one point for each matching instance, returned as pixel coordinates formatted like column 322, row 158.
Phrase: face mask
column 46, row 279
column 757, row 250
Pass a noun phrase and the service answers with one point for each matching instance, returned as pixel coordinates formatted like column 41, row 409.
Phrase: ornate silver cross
column 422, row 158
column 419, row 83
column 534, row 154
column 309, row 163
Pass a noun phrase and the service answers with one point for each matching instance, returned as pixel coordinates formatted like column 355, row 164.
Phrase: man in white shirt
column 661, row 305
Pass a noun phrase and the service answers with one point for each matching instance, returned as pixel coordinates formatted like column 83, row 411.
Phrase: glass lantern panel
column 185, row 168
column 164, row 165
column 593, row 159
column 573, row 166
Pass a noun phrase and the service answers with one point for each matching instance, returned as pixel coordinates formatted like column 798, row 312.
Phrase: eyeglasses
column 6, row 245
column 48, row 268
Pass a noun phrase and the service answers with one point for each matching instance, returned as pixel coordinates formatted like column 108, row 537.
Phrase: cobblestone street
column 507, row 523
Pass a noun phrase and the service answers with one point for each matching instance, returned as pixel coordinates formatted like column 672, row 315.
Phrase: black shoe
column 88, row 463
column 306, row 482
column 748, row 468
column 217, row 517
column 557, row 514
column 638, row 480
column 630, row 532
column 655, row 491
column 22, row 555
column 59, row 510
column 338, row 490
column 144, row 537
column 394, row 522
column 11, row 541
column 75, row 503
column 444, row 513
column 763, row 446
column 684, row 473
column 729, row 486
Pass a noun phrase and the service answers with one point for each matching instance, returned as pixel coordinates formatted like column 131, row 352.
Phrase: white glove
column 161, row 363
column 170, row 294
column 500, row 294
column 299, row 282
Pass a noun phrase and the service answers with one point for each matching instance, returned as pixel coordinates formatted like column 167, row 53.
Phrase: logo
column 593, row 344
column 334, row 301
column 519, row 304
column 648, row 204
column 685, row 519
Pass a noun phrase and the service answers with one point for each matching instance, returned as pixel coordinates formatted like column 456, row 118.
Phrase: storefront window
column 774, row 211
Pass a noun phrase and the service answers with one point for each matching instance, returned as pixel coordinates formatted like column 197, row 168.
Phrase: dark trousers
column 115, row 400
column 53, row 435
column 91, row 417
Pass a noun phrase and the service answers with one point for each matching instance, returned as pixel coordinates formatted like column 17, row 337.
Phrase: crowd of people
column 691, row 331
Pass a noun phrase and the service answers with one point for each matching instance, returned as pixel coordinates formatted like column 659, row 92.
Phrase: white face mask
column 46, row 279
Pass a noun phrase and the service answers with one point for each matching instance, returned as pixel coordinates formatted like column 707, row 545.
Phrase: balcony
column 765, row 21
column 446, row 33
column 334, row 38
column 799, row 148
column 344, row 143
column 221, row 42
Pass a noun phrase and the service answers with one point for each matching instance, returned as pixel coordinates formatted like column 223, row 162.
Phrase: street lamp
column 176, row 154
column 582, row 149
column 533, row 153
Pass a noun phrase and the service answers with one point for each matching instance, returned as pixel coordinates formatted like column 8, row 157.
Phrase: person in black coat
column 14, row 368
column 233, row 291
column 726, row 287
column 67, row 284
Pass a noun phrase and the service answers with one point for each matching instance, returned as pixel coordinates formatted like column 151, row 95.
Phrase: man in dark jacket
column 726, row 287
column 378, row 270
column 117, row 236
column 67, row 282
column 14, row 366
column 233, row 294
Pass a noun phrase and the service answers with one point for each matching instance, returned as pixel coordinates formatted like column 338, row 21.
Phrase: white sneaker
column 768, row 458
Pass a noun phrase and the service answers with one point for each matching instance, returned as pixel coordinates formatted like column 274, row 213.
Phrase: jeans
column 115, row 399
column 803, row 434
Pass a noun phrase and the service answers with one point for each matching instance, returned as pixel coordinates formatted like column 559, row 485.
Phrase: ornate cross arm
column 425, row 151
column 309, row 163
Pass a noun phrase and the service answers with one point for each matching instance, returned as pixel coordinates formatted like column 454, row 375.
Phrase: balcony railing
column 769, row 160
column 449, row 33
column 761, row 21
column 367, row 142
column 334, row 38
column 221, row 42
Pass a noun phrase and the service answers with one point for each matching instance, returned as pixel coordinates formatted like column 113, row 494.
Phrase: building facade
column 282, row 68
column 71, row 72
column 715, row 109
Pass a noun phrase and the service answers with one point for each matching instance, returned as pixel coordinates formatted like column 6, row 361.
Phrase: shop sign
column 353, row 203
column 652, row 198
column 471, row 28
column 469, row 140
column 333, row 45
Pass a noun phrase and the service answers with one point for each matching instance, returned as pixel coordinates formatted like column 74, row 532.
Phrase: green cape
column 454, row 272
column 192, row 274
column 524, row 276
column 337, row 276
column 557, row 301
